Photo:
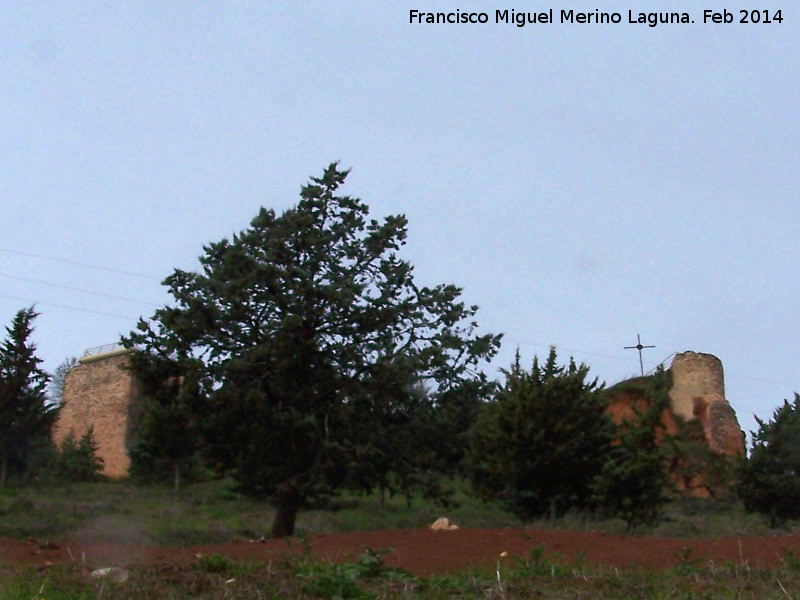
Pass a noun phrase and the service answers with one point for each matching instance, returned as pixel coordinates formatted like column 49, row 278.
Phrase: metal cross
column 639, row 347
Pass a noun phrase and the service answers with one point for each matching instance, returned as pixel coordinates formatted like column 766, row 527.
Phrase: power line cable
column 80, row 264
column 572, row 350
column 79, row 290
column 661, row 364
column 761, row 380
column 86, row 310
column 586, row 352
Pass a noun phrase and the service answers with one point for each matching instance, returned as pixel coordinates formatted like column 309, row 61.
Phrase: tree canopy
column 305, row 324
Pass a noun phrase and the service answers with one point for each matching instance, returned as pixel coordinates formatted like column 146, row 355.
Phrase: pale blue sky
column 582, row 183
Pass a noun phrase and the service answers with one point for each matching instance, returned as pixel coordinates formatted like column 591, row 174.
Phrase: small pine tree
column 168, row 436
column 79, row 460
column 455, row 412
column 769, row 481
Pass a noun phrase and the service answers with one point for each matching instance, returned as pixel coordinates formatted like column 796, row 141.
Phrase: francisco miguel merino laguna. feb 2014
column 520, row 19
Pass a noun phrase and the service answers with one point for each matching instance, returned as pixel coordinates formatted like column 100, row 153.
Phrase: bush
column 539, row 445
column 78, row 460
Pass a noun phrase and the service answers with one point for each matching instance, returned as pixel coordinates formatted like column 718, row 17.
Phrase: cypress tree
column 24, row 411
column 305, row 323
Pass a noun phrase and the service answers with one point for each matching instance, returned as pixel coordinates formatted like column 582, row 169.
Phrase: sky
column 583, row 183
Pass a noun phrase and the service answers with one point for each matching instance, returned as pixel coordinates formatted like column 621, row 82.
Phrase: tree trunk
column 288, row 505
column 177, row 471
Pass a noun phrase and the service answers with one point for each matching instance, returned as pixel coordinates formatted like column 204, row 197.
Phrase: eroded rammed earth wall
column 101, row 392
column 694, row 375
column 697, row 394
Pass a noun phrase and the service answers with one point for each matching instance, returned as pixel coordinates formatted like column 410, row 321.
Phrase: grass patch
column 539, row 575
column 209, row 512
column 364, row 513
column 212, row 512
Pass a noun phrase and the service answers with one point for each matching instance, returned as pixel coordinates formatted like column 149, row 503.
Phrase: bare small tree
column 55, row 391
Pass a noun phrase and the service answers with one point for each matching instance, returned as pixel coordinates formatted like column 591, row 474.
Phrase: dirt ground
column 422, row 551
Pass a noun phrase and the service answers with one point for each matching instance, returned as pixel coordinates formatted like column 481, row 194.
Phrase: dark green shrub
column 634, row 481
column 539, row 445
column 215, row 563
column 78, row 460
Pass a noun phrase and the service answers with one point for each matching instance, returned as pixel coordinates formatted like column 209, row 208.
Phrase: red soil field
column 424, row 552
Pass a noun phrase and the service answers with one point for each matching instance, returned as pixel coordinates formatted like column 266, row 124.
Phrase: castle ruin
column 101, row 392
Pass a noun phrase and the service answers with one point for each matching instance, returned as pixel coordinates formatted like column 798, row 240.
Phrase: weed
column 214, row 564
column 537, row 563
column 687, row 565
column 217, row 577
column 335, row 582
column 791, row 560
column 371, row 562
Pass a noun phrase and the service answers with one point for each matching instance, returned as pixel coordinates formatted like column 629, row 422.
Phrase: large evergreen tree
column 539, row 445
column 24, row 411
column 306, row 323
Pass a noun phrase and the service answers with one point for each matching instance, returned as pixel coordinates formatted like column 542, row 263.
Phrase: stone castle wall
column 102, row 393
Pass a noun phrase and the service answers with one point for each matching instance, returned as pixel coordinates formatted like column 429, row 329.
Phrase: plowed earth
column 423, row 552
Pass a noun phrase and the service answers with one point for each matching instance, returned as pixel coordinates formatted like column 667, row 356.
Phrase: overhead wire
column 76, row 289
column 153, row 278
column 80, row 264
column 571, row 350
column 65, row 306
column 79, row 290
